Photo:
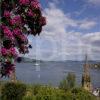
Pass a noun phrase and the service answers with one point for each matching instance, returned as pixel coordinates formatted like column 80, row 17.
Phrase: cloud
column 58, row 21
column 92, row 41
column 87, row 24
column 60, row 40
column 94, row 2
column 92, row 36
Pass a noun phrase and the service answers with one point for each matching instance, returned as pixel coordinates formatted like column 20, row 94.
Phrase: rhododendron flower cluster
column 30, row 13
column 42, row 21
column 17, row 31
column 7, row 32
column 7, row 14
column 24, row 2
column 9, row 52
column 35, row 4
column 7, row 69
column 18, row 19
column 4, row 51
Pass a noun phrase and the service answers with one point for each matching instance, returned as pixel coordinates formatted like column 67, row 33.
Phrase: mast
column 86, row 66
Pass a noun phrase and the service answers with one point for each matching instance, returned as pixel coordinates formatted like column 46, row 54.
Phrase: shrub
column 29, row 98
column 81, row 94
column 46, row 93
column 36, row 88
column 68, row 82
column 71, row 78
column 13, row 91
column 64, row 85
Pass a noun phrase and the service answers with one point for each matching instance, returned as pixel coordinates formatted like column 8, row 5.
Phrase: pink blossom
column 15, row 20
column 30, row 13
column 16, row 31
column 7, row 32
column 4, row 51
column 24, row 2
column 9, row 52
column 23, row 37
column 10, row 68
column 12, row 22
column 13, row 52
column 2, row 26
column 43, row 21
column 35, row 4
column 6, row 14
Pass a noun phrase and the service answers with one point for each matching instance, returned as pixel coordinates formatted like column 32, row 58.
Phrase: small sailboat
column 36, row 64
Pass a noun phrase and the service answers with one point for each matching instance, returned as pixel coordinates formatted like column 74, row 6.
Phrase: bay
column 53, row 72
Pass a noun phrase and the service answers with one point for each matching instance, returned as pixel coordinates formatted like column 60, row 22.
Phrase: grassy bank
column 11, row 91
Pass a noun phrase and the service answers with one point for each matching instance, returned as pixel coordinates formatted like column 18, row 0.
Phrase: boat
column 36, row 64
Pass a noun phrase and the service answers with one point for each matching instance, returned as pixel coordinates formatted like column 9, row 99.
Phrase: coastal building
column 86, row 79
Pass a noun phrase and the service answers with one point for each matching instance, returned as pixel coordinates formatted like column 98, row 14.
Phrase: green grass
column 44, row 92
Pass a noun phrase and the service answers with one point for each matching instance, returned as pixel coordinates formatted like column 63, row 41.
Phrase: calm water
column 53, row 72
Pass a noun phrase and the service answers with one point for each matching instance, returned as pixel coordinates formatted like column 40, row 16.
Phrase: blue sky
column 72, row 30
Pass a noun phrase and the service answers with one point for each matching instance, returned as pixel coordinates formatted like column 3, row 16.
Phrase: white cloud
column 92, row 42
column 92, row 36
column 95, row 2
column 58, row 41
column 87, row 24
column 58, row 21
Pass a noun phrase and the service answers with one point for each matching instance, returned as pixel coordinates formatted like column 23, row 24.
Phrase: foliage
column 13, row 91
column 64, row 85
column 71, row 78
column 81, row 94
column 40, row 92
column 68, row 82
column 29, row 98
column 36, row 88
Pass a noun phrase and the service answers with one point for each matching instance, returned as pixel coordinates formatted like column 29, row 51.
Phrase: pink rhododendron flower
column 2, row 26
column 23, row 49
column 9, row 52
column 30, row 13
column 7, row 32
column 16, row 31
column 13, row 51
column 10, row 68
column 23, row 37
column 35, row 4
column 12, row 22
column 24, row 2
column 4, row 51
column 42, row 21
column 6, row 14
column 15, row 20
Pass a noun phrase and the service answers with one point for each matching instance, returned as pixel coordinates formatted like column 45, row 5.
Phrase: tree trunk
column 13, row 76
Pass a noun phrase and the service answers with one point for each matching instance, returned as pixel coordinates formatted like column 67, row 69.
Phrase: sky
column 72, row 31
